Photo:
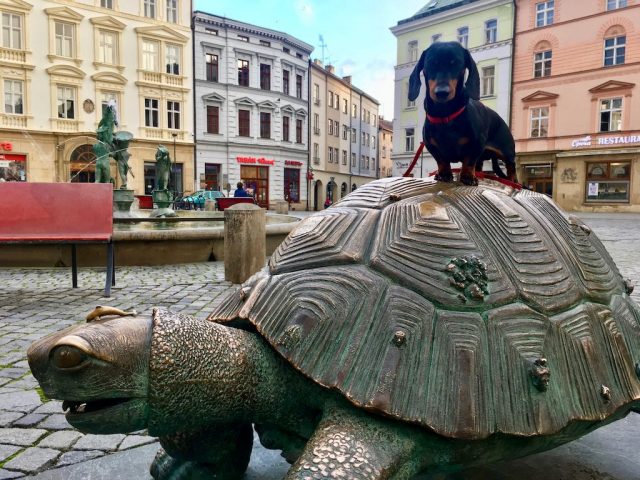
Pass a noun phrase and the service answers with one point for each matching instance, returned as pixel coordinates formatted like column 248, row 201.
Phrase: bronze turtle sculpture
column 413, row 326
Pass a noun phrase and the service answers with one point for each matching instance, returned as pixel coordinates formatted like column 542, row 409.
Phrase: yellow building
column 61, row 61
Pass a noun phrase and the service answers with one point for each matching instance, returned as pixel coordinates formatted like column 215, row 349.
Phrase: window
column 244, row 38
column 354, row 110
column 292, row 184
column 150, row 8
column 106, row 3
column 107, row 47
column 213, row 119
column 211, row 67
column 353, row 135
column 330, row 159
column 150, row 55
column 243, row 73
column 316, row 94
column 614, row 4
column 108, row 98
column 353, row 159
column 336, row 128
column 285, row 50
column 413, row 51
column 285, row 82
column 64, row 39
column 544, row 13
column 410, row 103
column 244, row 122
column 11, row 30
column 330, row 127
column 285, row 128
column 173, row 115
column 611, row 115
column 264, row 43
column 539, row 122
column 436, row 38
column 364, row 139
column 265, row 76
column 211, row 31
column 608, row 182
column 265, row 125
column 151, row 112
column 330, row 99
column 172, row 53
column 542, row 64
column 373, row 142
column 299, row 86
column 345, row 132
column 345, row 106
column 344, row 157
column 488, row 81
column 490, row 31
column 298, row 131
column 172, row 11
column 409, row 134
column 463, row 36
column 337, row 104
column 316, row 153
column 66, row 102
column 13, row 97
column 316, row 124
column 362, row 161
column 614, row 49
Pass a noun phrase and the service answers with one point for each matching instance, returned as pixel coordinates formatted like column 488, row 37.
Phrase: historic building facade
column 343, row 126
column 385, row 148
column 252, row 109
column 576, row 111
column 61, row 61
column 485, row 27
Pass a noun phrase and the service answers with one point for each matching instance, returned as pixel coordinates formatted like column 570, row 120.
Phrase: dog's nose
column 442, row 91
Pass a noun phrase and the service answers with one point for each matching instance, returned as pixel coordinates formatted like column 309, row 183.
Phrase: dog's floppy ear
column 414, row 79
column 472, row 85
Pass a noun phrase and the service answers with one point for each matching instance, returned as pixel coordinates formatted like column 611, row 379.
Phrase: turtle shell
column 466, row 310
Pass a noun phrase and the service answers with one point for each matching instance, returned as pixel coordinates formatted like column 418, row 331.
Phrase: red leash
column 487, row 176
column 415, row 159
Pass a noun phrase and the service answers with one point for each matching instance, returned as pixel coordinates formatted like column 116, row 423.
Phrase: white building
column 60, row 61
column 252, row 107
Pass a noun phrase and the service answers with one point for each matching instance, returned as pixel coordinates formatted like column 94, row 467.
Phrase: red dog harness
column 448, row 119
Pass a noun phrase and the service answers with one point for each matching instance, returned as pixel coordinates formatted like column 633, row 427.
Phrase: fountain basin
column 190, row 238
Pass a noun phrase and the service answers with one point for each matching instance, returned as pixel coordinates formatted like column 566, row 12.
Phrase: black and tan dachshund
column 458, row 127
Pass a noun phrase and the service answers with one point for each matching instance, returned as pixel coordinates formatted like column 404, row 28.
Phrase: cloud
column 304, row 10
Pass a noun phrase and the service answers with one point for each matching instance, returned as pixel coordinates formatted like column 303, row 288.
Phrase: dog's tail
column 495, row 166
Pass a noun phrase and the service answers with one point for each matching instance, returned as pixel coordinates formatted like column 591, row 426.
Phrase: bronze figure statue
column 111, row 144
column 412, row 326
column 163, row 168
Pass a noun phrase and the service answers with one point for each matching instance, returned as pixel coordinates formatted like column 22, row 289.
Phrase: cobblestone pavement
column 34, row 435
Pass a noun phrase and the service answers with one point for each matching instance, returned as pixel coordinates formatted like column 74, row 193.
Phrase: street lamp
column 174, row 135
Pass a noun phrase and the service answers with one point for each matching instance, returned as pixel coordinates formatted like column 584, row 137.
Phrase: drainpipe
column 193, row 75
column 513, row 54
column 307, row 179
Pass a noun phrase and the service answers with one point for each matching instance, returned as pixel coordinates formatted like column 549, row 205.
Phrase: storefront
column 13, row 166
column 255, row 177
column 593, row 173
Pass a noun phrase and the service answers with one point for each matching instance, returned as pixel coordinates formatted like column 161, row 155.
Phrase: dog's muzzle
column 442, row 92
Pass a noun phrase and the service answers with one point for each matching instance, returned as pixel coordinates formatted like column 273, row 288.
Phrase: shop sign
column 7, row 146
column 13, row 157
column 254, row 160
column 292, row 163
column 615, row 140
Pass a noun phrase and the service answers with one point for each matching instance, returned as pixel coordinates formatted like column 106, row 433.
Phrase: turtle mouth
column 75, row 408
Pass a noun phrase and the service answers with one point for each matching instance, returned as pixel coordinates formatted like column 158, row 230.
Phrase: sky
column 356, row 33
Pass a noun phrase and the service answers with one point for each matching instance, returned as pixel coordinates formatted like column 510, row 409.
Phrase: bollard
column 209, row 205
column 282, row 208
column 244, row 241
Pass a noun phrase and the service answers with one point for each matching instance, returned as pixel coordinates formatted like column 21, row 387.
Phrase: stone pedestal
column 209, row 205
column 282, row 208
column 244, row 241
column 163, row 200
column 122, row 200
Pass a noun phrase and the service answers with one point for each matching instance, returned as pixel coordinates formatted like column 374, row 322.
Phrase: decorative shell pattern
column 467, row 310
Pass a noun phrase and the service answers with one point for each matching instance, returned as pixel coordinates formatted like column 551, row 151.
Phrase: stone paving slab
column 60, row 440
column 32, row 459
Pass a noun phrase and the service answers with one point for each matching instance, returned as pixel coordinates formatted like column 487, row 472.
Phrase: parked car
column 197, row 199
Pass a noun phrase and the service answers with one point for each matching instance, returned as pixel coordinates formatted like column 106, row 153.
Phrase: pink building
column 576, row 103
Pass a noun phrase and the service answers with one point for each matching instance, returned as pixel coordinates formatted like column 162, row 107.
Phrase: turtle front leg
column 222, row 453
column 352, row 445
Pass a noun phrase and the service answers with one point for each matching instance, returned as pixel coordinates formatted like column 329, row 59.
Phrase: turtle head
column 100, row 371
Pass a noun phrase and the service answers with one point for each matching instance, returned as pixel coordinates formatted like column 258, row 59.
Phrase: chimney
column 329, row 68
column 347, row 79
column 318, row 62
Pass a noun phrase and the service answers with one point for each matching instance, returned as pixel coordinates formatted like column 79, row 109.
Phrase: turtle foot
column 165, row 467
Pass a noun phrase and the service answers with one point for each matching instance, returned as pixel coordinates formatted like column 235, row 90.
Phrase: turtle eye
column 66, row 356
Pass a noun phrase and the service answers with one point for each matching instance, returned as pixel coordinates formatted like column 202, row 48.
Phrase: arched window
column 82, row 168
column 615, row 40
column 542, row 60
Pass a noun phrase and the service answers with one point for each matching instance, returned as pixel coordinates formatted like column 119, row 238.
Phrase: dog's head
column 443, row 65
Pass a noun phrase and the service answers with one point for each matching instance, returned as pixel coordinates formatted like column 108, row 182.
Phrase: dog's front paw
column 469, row 180
column 444, row 177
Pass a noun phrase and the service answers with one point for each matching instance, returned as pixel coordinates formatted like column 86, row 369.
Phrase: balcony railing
column 11, row 55
column 65, row 124
column 13, row 121
column 316, row 160
column 161, row 134
column 160, row 78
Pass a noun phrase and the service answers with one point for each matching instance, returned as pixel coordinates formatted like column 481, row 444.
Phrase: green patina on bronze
column 356, row 355
column 111, row 144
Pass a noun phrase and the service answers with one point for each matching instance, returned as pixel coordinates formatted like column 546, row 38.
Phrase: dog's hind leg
column 444, row 172
column 468, row 172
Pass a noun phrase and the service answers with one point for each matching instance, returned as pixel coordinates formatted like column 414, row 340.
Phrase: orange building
column 576, row 103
